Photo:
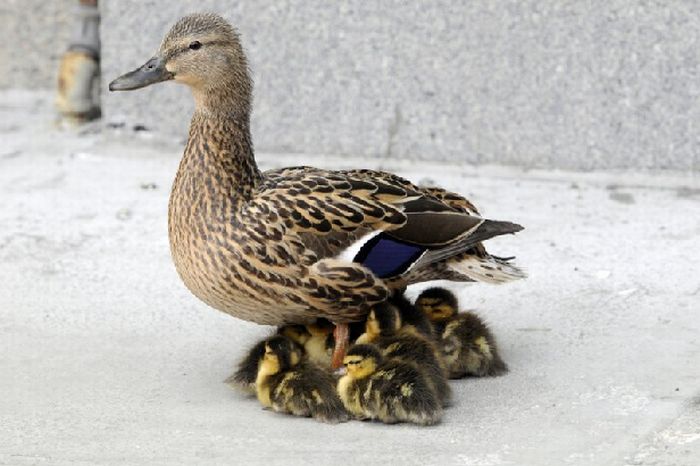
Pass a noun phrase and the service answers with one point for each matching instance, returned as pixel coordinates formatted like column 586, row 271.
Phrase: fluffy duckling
column 411, row 315
column 245, row 375
column 384, row 329
column 468, row 346
column 297, row 333
column 319, row 347
column 316, row 339
column 287, row 384
column 389, row 390
column 439, row 306
column 247, row 371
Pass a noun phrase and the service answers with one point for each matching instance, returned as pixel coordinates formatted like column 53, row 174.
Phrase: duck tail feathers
column 487, row 269
column 486, row 230
column 490, row 228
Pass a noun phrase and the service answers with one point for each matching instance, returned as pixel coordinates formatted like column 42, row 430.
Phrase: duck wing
column 373, row 218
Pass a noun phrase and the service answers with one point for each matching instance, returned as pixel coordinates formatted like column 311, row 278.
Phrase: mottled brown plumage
column 273, row 247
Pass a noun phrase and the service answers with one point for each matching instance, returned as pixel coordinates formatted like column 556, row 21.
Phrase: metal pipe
column 78, row 98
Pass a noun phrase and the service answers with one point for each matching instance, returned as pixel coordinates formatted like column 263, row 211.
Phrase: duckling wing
column 310, row 391
column 400, row 392
column 424, row 354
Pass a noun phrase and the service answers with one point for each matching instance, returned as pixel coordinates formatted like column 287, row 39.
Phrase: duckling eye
column 196, row 45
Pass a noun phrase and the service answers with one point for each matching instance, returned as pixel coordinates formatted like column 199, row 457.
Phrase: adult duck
column 297, row 244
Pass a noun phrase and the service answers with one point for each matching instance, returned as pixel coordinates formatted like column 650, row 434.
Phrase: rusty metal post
column 78, row 98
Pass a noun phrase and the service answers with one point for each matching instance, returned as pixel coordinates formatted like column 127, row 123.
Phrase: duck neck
column 219, row 163
column 228, row 100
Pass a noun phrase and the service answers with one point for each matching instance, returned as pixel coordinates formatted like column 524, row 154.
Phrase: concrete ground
column 105, row 358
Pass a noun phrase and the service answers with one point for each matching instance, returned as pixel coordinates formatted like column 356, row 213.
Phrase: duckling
column 316, row 339
column 319, row 347
column 247, row 371
column 410, row 315
column 468, row 346
column 297, row 333
column 317, row 243
column 439, row 305
column 384, row 329
column 288, row 384
column 389, row 390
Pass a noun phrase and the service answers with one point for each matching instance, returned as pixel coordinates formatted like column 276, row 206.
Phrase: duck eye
column 196, row 45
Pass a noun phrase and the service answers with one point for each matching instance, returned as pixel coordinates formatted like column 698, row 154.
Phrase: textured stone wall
column 34, row 35
column 561, row 83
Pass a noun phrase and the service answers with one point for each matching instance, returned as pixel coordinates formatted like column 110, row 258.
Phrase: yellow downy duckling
column 439, row 305
column 316, row 339
column 468, row 346
column 297, row 333
column 388, row 390
column 384, row 329
column 410, row 315
column 247, row 371
column 288, row 384
column 319, row 347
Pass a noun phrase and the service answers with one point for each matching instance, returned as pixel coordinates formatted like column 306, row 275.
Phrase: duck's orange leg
column 342, row 339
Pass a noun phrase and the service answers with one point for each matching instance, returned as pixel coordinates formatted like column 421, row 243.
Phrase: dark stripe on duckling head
column 440, row 294
column 388, row 257
column 287, row 351
column 387, row 316
column 365, row 351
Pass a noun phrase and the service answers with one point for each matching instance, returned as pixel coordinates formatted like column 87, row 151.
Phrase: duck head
column 202, row 51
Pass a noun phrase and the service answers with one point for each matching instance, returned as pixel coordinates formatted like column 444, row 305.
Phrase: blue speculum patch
column 388, row 257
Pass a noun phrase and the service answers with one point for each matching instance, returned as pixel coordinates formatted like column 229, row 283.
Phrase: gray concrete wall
column 34, row 35
column 568, row 84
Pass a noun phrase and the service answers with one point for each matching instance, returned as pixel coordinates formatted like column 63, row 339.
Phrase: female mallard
column 296, row 244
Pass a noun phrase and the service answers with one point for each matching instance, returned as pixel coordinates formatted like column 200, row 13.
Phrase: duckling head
column 280, row 354
column 322, row 327
column 438, row 304
column 204, row 52
column 296, row 333
column 362, row 360
column 383, row 320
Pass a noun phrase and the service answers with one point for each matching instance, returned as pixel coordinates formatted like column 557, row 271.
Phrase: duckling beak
column 153, row 71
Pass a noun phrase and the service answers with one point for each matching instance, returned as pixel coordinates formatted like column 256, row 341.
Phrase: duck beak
column 153, row 71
